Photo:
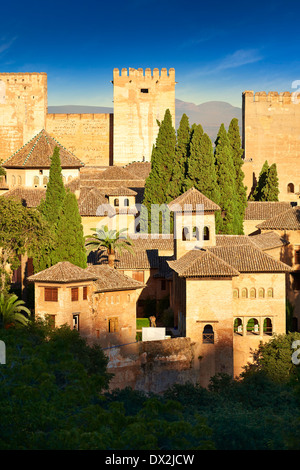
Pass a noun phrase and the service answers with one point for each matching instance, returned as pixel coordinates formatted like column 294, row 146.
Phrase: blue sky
column 218, row 49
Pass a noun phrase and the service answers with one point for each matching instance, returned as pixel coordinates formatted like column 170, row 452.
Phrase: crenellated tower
column 140, row 99
column 271, row 131
column 23, row 109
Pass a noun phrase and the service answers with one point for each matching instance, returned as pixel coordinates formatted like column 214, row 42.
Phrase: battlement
column 145, row 74
column 19, row 78
column 284, row 97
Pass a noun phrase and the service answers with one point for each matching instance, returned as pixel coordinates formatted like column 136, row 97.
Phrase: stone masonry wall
column 23, row 108
column 271, row 131
column 87, row 136
column 152, row 366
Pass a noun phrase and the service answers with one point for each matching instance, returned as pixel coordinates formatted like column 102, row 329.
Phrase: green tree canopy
column 55, row 192
column 201, row 166
column 21, row 230
column 257, row 194
column 241, row 190
column 177, row 182
column 69, row 239
column 226, row 181
column 162, row 161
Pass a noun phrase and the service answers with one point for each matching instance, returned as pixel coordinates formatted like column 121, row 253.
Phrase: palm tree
column 12, row 311
column 112, row 240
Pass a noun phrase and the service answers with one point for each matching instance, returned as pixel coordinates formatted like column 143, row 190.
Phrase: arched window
column 185, row 234
column 290, row 188
column 268, row 329
column 126, row 202
column 261, row 293
column 238, row 326
column 270, row 292
column 116, row 202
column 13, row 180
column 64, row 179
column 69, row 178
column 206, row 233
column 252, row 327
column 195, row 233
column 244, row 293
column 36, row 181
column 19, row 180
column 208, row 334
column 252, row 293
column 235, row 293
column 45, row 180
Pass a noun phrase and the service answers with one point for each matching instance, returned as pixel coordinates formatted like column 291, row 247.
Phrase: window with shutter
column 51, row 294
column 74, row 294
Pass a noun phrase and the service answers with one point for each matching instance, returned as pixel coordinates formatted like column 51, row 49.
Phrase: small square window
column 51, row 294
column 144, row 90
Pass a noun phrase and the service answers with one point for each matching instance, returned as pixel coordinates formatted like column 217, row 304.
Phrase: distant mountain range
column 210, row 114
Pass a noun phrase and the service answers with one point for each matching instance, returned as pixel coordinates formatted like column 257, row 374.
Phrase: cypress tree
column 162, row 161
column 201, row 166
column 177, row 181
column 55, row 192
column 241, row 190
column 270, row 191
column 258, row 191
column 69, row 234
column 49, row 208
column 225, row 178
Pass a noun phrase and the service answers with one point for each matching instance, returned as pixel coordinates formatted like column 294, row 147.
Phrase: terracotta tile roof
column 264, row 210
column 29, row 197
column 140, row 259
column 109, row 279
column 37, row 153
column 246, row 258
column 147, row 259
column 268, row 240
column 152, row 242
column 140, row 169
column 117, row 173
column 119, row 191
column 202, row 263
column 73, row 185
column 264, row 241
column 62, row 273
column 287, row 220
column 229, row 240
column 92, row 202
column 148, row 253
column 190, row 200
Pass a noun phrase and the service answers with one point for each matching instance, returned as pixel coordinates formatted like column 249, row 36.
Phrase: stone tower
column 23, row 109
column 271, row 131
column 140, row 99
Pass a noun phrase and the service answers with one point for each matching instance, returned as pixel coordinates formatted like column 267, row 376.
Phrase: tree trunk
column 111, row 260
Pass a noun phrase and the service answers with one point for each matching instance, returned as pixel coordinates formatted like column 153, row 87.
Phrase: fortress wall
column 88, row 136
column 271, row 131
column 140, row 99
column 23, row 108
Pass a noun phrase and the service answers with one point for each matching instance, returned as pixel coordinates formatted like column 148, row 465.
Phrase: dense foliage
column 54, row 395
column 21, row 230
column 187, row 159
column 60, row 210
column 267, row 187
column 69, row 244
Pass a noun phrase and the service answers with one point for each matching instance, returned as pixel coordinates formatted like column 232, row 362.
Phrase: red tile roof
column 37, row 153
